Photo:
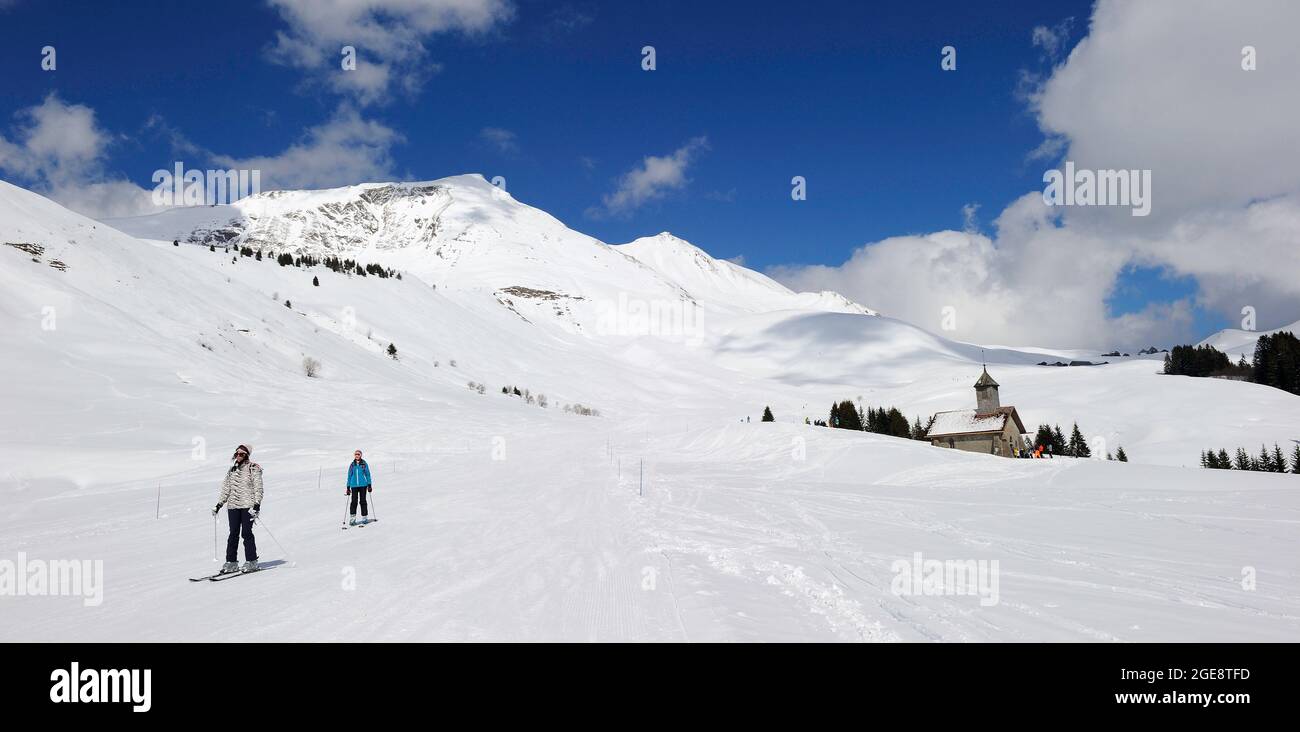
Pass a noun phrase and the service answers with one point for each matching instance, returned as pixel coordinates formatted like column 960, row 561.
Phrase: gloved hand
column 370, row 489
column 347, row 491
column 215, row 509
column 257, row 507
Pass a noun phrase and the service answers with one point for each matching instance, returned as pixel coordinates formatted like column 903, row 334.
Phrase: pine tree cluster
column 879, row 420
column 1053, row 441
column 1276, row 362
column 1274, row 461
column 342, row 266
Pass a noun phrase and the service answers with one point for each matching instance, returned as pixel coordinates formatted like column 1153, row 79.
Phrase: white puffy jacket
column 242, row 486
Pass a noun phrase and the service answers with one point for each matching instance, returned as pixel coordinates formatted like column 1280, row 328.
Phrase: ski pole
column 214, row 538
column 277, row 541
column 347, row 499
column 374, row 515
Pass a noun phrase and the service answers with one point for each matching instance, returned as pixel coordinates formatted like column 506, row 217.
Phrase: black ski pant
column 361, row 494
column 241, row 521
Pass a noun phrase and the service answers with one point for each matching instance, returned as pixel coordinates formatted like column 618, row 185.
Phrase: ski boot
column 353, row 520
column 249, row 566
column 229, row 567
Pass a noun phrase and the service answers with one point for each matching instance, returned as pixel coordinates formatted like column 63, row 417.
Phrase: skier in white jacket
column 241, row 493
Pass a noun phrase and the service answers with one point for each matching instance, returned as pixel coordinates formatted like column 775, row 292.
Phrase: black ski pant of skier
column 360, row 493
column 241, row 521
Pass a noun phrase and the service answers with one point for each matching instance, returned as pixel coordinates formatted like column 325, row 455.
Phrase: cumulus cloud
column 650, row 180
column 58, row 149
column 389, row 37
column 1034, row 282
column 346, row 150
column 1155, row 86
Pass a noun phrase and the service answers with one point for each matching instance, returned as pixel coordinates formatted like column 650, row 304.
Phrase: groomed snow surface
column 129, row 379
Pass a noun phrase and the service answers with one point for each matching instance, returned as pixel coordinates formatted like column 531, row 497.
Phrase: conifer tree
column 1279, row 459
column 1078, row 447
column 848, row 416
column 897, row 424
column 767, row 415
column 1058, row 441
column 1242, row 460
column 1044, row 436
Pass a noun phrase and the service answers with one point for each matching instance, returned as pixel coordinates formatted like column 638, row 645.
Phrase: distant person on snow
column 241, row 493
column 358, row 487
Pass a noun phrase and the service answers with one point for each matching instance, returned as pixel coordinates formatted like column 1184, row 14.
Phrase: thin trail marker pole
column 640, row 487
column 157, row 506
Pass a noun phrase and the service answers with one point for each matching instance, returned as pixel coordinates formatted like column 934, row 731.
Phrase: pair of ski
column 223, row 576
column 360, row 523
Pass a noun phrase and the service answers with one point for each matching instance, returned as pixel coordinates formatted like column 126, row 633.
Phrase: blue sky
column 849, row 95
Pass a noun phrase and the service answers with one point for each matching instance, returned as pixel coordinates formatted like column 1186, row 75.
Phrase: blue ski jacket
column 358, row 474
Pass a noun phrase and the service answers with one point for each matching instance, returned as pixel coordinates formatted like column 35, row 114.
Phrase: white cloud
column 653, row 178
column 1052, row 40
column 55, row 141
column 1155, row 85
column 58, row 149
column 505, row 141
column 1159, row 86
column 388, row 35
column 343, row 151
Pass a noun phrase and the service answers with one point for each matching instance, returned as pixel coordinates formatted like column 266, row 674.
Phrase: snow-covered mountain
column 726, row 284
column 134, row 366
column 1237, row 343
column 616, row 327
column 464, row 233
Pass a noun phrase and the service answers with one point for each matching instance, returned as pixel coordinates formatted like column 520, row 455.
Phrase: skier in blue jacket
column 358, row 487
